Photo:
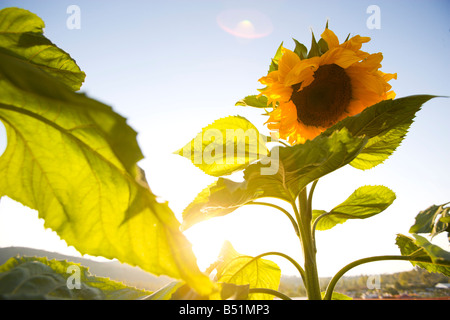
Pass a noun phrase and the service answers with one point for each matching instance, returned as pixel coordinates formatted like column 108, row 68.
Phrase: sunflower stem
column 311, row 275
column 337, row 276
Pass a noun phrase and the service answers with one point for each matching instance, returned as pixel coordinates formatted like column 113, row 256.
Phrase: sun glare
column 251, row 230
column 248, row 24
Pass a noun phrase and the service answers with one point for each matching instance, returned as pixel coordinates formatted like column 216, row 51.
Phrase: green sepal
column 300, row 50
column 323, row 46
column 314, row 51
column 275, row 59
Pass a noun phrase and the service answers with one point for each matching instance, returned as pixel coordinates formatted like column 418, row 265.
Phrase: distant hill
column 131, row 276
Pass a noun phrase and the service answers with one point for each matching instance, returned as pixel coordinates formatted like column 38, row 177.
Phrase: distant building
column 442, row 286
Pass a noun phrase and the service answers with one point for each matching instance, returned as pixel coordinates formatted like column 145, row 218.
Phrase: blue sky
column 170, row 69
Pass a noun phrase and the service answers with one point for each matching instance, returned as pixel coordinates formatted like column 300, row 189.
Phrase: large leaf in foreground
column 239, row 269
column 21, row 35
column 365, row 202
column 282, row 175
column 225, row 146
column 385, row 124
column 74, row 159
column 40, row 278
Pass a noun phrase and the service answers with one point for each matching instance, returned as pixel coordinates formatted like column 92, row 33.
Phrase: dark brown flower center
column 325, row 99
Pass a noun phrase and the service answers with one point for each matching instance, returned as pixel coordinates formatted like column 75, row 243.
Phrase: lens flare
column 248, row 24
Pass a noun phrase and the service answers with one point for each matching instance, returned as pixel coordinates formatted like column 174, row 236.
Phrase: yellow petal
column 278, row 92
column 271, row 78
column 355, row 43
column 355, row 107
column 388, row 76
column 390, row 95
column 372, row 62
column 302, row 72
column 287, row 62
column 331, row 39
column 340, row 56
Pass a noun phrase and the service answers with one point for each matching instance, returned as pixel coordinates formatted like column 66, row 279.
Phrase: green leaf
column 445, row 219
column 385, row 124
column 379, row 148
column 283, row 174
column 437, row 254
column 225, row 146
column 166, row 292
column 256, row 101
column 300, row 50
column 312, row 160
column 74, row 160
column 239, row 269
column 275, row 59
column 231, row 291
column 40, row 278
column 202, row 208
column 433, row 220
column 21, row 36
column 365, row 202
column 434, row 258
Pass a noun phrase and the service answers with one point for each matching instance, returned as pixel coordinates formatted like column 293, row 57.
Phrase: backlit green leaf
column 239, row 269
column 437, row 254
column 283, row 174
column 385, row 124
column 434, row 258
column 21, row 36
column 74, row 160
column 379, row 148
column 225, row 146
column 202, row 207
column 166, row 292
column 365, row 202
column 231, row 291
column 254, row 101
column 40, row 278
column 433, row 220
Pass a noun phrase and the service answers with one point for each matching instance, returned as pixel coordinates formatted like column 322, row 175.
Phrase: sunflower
column 311, row 93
